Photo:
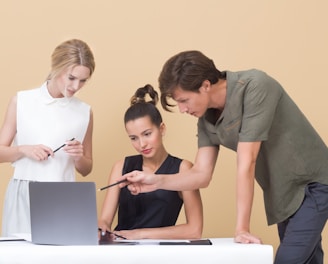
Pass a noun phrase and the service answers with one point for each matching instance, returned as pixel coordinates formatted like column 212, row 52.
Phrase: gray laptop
column 63, row 213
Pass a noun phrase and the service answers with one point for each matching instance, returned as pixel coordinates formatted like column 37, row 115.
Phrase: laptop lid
column 63, row 213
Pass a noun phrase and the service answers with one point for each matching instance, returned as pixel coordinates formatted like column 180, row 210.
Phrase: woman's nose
column 142, row 143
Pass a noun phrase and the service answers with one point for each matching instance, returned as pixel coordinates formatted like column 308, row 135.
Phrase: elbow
column 204, row 185
column 202, row 178
column 204, row 182
column 84, row 165
column 86, row 171
column 85, row 174
column 195, row 230
column 196, row 233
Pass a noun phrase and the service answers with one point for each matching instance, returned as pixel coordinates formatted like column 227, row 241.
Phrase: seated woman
column 150, row 215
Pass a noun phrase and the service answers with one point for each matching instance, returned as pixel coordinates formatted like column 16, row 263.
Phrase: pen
column 109, row 232
column 108, row 186
column 61, row 146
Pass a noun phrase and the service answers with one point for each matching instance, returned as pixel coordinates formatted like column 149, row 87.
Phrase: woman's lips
column 146, row 151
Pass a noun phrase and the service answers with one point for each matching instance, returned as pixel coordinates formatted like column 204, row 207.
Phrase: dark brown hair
column 186, row 70
column 140, row 107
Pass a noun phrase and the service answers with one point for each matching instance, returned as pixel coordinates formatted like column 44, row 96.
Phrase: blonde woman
column 40, row 120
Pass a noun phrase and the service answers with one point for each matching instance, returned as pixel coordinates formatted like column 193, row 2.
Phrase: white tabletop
column 222, row 250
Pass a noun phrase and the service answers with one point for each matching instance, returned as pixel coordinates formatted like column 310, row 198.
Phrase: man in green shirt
column 250, row 113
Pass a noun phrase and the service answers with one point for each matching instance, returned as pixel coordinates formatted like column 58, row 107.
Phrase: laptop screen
column 63, row 213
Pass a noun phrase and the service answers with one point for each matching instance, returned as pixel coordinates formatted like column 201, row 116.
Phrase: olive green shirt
column 292, row 154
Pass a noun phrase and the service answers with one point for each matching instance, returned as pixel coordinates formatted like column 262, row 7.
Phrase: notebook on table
column 63, row 213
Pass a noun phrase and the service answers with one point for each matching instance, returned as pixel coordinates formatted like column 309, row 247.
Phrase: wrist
column 241, row 233
column 20, row 152
column 160, row 183
column 241, row 230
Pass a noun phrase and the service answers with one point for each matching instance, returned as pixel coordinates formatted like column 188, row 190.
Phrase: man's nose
column 182, row 108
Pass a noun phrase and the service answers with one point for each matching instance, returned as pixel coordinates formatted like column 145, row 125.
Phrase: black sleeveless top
column 146, row 210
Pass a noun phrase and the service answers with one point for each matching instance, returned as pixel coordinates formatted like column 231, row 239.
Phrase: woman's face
column 145, row 136
column 68, row 82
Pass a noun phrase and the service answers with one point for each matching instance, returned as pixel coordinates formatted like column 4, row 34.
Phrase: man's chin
column 194, row 115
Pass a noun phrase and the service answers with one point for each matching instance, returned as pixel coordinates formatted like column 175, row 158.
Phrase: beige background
column 132, row 39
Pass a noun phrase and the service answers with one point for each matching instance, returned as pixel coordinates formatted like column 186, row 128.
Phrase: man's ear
column 206, row 85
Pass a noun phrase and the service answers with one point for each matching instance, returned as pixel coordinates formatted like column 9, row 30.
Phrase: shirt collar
column 48, row 99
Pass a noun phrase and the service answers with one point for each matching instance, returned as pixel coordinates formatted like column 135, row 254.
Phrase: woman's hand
column 105, row 236
column 74, row 148
column 36, row 152
column 129, row 234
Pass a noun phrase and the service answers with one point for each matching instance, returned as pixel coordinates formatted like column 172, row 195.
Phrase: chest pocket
column 230, row 133
column 225, row 133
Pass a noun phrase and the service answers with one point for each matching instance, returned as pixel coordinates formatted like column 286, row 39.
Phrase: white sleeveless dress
column 41, row 119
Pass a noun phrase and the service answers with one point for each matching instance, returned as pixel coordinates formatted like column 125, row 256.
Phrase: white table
column 222, row 250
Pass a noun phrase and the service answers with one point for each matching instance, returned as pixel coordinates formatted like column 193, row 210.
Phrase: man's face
column 193, row 103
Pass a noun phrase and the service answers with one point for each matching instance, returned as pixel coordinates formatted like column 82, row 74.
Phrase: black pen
column 113, row 184
column 61, row 146
column 109, row 232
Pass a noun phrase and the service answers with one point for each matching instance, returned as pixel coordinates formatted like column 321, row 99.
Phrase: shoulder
column 132, row 158
column 257, row 77
column 118, row 164
column 116, row 171
column 28, row 98
column 29, row 92
column 246, row 76
column 253, row 82
column 185, row 165
column 132, row 163
column 13, row 100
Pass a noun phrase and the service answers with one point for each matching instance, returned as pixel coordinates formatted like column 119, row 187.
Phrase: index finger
column 72, row 141
column 131, row 176
column 124, row 181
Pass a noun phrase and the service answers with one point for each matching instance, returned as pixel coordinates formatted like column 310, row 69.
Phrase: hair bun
column 141, row 94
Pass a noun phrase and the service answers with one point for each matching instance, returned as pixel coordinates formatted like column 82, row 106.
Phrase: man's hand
column 140, row 182
column 247, row 238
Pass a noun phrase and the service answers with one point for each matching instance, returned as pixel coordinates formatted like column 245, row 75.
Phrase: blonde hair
column 71, row 53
